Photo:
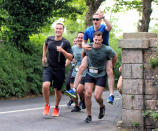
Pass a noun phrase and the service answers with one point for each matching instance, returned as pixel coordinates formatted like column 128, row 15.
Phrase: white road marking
column 30, row 109
column 117, row 98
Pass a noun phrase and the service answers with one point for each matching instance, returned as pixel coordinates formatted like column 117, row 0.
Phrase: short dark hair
column 81, row 32
column 98, row 33
column 60, row 24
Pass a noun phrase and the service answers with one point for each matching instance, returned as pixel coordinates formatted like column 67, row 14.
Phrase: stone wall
column 139, row 95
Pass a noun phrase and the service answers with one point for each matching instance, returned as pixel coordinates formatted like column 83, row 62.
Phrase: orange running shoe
column 55, row 112
column 46, row 110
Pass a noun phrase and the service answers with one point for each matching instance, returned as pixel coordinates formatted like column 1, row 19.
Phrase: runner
column 96, row 74
column 77, row 50
column 75, row 41
column 59, row 50
column 105, row 29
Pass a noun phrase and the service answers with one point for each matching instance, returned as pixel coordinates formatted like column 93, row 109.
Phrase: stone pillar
column 134, row 46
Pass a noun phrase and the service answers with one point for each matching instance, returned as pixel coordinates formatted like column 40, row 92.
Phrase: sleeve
column 111, row 52
column 46, row 41
column 68, row 47
column 86, row 35
column 84, row 52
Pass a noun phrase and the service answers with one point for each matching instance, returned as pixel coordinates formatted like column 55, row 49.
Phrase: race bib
column 93, row 70
column 77, row 68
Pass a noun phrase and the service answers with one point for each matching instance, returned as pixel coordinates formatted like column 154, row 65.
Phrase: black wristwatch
column 103, row 17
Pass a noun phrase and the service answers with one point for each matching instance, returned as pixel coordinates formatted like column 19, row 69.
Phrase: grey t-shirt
column 78, row 58
column 97, row 58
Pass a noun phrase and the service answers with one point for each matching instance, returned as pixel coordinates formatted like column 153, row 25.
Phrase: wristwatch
column 103, row 17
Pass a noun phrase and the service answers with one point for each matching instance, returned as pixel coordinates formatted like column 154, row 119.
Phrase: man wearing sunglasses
column 105, row 29
column 97, row 26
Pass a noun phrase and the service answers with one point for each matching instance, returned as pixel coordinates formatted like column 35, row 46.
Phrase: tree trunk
column 144, row 22
column 93, row 6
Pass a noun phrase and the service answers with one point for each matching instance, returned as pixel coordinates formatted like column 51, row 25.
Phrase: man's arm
column 66, row 54
column 107, row 23
column 114, row 59
column 86, row 46
column 67, row 62
column 44, row 58
column 82, row 67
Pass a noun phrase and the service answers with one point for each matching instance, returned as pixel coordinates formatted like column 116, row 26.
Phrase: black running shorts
column 55, row 76
column 99, row 81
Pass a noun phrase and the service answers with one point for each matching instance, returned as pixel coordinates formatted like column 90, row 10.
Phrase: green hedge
column 20, row 73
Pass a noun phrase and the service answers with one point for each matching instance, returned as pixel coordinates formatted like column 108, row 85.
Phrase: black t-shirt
column 57, row 59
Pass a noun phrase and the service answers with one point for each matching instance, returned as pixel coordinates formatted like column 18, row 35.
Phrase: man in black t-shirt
column 59, row 49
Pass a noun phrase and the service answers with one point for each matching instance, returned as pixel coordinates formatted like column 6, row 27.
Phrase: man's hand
column 44, row 60
column 60, row 49
column 120, row 69
column 87, row 47
column 101, row 14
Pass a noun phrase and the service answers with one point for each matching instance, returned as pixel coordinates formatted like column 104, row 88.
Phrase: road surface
column 26, row 115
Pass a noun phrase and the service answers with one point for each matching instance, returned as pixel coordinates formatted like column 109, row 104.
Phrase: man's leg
column 88, row 94
column 80, row 91
column 59, row 77
column 110, row 74
column 98, row 96
column 58, row 95
column 76, row 108
column 109, row 70
column 68, row 86
column 45, row 91
column 68, row 80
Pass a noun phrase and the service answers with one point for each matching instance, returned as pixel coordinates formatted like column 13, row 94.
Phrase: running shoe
column 70, row 102
column 76, row 109
column 110, row 99
column 46, row 110
column 55, row 112
column 71, row 93
column 88, row 119
column 102, row 112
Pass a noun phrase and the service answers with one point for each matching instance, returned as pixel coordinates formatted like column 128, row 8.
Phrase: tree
column 146, row 13
column 93, row 6
column 142, row 6
column 21, row 18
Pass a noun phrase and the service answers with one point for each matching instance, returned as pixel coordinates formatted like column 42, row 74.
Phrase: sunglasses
column 97, row 19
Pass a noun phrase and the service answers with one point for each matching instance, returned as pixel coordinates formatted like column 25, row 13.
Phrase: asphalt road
column 26, row 115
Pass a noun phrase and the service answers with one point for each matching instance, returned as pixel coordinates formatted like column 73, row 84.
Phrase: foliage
column 113, row 42
column 20, row 72
column 152, row 114
column 153, row 60
column 32, row 15
column 122, row 5
column 136, row 124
